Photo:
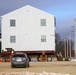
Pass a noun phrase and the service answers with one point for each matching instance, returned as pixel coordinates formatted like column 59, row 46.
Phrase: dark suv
column 20, row 60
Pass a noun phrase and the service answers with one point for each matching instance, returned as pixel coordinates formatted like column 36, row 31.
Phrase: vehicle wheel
column 26, row 66
column 12, row 66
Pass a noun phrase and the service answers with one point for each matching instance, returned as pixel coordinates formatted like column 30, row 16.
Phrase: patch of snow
column 73, row 59
column 30, row 73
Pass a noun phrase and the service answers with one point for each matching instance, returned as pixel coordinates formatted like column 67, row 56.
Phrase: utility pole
column 75, row 38
column 70, row 44
column 65, row 47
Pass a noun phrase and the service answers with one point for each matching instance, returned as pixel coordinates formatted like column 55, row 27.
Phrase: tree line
column 60, row 46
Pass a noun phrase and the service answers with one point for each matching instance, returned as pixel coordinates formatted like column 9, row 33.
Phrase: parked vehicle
column 20, row 60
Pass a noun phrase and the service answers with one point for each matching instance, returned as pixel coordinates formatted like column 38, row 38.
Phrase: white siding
column 28, row 30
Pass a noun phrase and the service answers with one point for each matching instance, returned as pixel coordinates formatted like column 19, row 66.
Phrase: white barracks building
column 28, row 29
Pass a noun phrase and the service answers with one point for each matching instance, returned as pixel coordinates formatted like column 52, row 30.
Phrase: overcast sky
column 64, row 11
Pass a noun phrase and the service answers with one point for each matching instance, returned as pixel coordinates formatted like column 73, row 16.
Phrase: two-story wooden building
column 28, row 29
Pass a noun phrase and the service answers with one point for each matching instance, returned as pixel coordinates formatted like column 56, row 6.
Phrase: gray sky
column 64, row 10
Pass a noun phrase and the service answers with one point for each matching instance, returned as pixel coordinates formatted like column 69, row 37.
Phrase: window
column 43, row 38
column 12, row 39
column 12, row 23
column 19, row 55
column 43, row 22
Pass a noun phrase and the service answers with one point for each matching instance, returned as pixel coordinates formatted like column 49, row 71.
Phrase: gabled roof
column 28, row 7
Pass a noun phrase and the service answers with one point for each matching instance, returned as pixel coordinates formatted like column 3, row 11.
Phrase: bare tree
column 60, row 45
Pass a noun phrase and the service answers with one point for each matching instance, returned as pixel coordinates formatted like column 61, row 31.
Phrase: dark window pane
column 43, row 22
column 12, row 23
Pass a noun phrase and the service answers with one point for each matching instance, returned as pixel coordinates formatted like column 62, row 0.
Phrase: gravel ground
column 40, row 68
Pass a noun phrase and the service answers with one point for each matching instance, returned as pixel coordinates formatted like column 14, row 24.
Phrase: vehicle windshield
column 19, row 55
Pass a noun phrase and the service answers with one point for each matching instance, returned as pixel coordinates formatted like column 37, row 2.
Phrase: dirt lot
column 52, row 67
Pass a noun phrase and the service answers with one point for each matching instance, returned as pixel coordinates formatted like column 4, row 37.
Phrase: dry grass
column 40, row 68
